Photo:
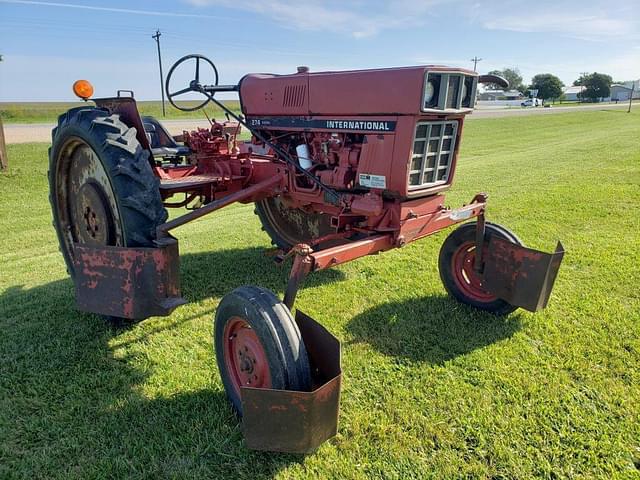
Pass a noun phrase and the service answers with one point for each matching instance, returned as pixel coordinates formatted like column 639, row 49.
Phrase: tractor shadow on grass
column 214, row 274
column 431, row 329
column 73, row 386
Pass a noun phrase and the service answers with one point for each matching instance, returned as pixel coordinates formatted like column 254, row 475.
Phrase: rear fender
column 127, row 108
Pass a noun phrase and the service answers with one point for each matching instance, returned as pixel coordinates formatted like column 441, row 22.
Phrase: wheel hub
column 244, row 356
column 93, row 217
column 465, row 275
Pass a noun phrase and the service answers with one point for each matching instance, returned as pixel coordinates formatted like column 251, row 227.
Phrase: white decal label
column 373, row 181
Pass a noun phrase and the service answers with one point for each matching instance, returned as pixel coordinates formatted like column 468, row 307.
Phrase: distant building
column 493, row 95
column 623, row 92
column 572, row 94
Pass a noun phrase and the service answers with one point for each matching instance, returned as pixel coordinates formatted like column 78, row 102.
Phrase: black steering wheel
column 194, row 85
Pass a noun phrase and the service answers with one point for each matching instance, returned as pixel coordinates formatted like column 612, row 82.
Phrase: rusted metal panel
column 298, row 422
column 133, row 283
column 522, row 276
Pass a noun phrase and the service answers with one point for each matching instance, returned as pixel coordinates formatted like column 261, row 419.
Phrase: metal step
column 188, row 182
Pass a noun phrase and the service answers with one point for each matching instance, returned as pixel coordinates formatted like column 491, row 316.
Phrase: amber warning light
column 83, row 89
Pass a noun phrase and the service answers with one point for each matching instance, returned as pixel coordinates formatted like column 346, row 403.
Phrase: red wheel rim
column 244, row 356
column 464, row 275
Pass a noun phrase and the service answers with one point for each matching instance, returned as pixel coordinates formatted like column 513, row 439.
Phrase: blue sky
column 47, row 45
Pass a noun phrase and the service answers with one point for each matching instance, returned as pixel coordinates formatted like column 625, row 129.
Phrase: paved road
column 41, row 132
column 515, row 112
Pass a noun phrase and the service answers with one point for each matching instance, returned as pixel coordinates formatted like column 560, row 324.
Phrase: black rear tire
column 289, row 226
column 455, row 264
column 257, row 340
column 102, row 188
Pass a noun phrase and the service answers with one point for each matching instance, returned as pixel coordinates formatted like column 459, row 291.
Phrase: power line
column 475, row 61
column 156, row 37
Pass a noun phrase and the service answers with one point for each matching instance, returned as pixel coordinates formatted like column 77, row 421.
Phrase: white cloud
column 358, row 19
column 111, row 9
column 585, row 26
column 594, row 21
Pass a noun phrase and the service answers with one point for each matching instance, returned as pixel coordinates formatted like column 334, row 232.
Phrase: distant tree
column 515, row 79
column 580, row 81
column 512, row 75
column 549, row 86
column 597, row 86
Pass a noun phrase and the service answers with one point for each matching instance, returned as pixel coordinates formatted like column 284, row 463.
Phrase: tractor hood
column 389, row 91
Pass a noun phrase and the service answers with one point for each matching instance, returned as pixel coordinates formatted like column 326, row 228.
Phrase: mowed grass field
column 432, row 389
column 47, row 112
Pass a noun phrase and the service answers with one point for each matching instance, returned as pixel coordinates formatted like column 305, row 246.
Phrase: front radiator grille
column 432, row 156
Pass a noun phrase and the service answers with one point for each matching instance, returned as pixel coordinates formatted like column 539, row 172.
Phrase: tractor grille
column 432, row 156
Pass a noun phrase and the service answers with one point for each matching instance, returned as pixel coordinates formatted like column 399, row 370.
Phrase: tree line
column 596, row 85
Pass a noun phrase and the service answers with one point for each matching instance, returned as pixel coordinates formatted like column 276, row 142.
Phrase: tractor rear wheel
column 102, row 188
column 290, row 226
column 258, row 344
column 457, row 257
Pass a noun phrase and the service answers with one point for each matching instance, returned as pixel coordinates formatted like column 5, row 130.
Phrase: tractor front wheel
column 258, row 344
column 456, row 265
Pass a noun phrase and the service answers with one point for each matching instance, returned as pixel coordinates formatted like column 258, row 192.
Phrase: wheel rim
column 465, row 276
column 92, row 218
column 244, row 357
column 86, row 208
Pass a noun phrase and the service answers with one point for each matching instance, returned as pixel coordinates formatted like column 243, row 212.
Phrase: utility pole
column 4, row 160
column 156, row 37
column 475, row 61
column 633, row 87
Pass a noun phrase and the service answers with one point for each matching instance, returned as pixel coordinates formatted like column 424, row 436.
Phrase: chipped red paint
column 521, row 276
column 132, row 283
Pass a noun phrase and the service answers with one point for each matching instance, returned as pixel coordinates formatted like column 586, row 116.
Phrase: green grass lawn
column 432, row 389
column 47, row 112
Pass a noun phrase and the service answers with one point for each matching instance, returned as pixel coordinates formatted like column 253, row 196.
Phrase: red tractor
column 339, row 165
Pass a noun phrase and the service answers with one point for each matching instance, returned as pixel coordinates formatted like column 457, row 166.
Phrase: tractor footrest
column 188, row 182
column 293, row 421
column 521, row 276
column 133, row 283
column 193, row 182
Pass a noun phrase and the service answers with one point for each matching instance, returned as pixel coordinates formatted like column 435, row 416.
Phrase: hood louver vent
column 294, row 95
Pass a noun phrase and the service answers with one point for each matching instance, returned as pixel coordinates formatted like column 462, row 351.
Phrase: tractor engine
column 332, row 157
column 393, row 132
column 400, row 146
